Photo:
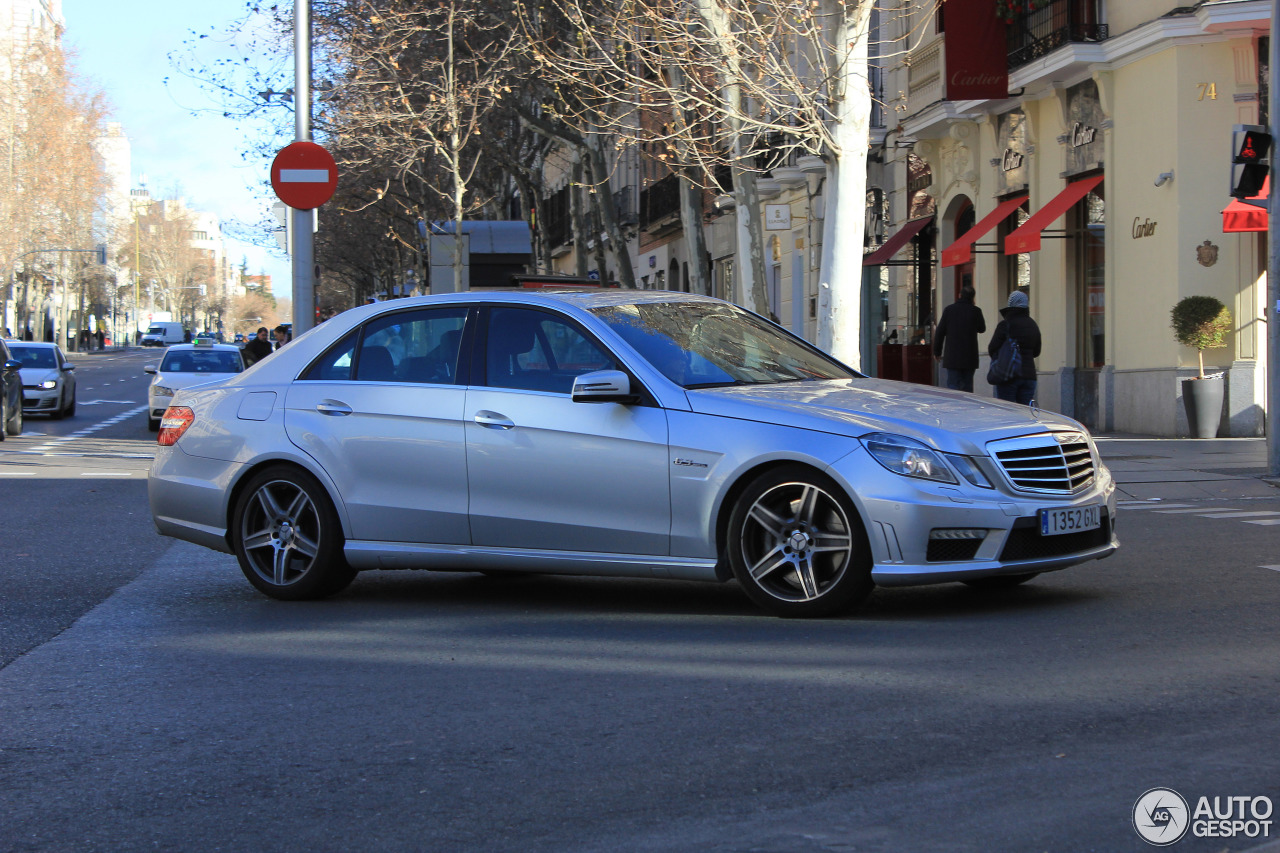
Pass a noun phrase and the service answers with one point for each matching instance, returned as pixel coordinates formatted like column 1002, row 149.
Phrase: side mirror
column 68, row 366
column 603, row 386
column 13, row 364
column 150, row 368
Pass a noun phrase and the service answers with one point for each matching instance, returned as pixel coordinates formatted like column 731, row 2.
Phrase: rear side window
column 407, row 346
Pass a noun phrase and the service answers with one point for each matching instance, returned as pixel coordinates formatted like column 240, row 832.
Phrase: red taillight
column 176, row 421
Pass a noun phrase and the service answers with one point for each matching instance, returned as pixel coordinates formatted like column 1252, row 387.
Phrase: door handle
column 332, row 407
column 493, row 420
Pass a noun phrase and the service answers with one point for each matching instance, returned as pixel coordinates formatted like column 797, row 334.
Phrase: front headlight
column 161, row 391
column 49, row 384
column 907, row 457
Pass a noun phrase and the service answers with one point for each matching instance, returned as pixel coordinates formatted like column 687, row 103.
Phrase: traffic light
column 1250, row 158
column 100, row 254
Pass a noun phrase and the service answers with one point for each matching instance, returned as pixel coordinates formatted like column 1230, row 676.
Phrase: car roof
column 203, row 347
column 41, row 344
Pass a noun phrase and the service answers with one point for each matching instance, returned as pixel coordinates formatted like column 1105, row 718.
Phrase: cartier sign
column 1143, row 228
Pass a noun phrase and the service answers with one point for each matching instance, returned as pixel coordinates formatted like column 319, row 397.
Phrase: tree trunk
column 578, row 220
column 695, row 238
column 608, row 219
column 840, row 280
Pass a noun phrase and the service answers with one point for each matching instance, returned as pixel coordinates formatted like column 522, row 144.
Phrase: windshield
column 709, row 344
column 195, row 361
column 34, row 356
column 156, row 330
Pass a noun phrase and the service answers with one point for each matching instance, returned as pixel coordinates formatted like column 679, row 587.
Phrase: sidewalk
column 1188, row 468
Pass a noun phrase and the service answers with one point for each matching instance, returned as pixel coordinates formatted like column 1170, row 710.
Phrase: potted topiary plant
column 1202, row 322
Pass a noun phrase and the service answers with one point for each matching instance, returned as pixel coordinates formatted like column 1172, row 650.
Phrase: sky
column 122, row 48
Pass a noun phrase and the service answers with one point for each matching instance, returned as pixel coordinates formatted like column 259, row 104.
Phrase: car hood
column 36, row 375
column 952, row 421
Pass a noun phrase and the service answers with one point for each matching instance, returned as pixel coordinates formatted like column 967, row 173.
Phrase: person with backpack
column 1017, row 327
column 955, row 341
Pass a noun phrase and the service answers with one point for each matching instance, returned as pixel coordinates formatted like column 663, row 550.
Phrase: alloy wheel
column 796, row 542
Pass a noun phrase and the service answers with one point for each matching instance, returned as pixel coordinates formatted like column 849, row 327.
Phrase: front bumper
column 901, row 513
column 40, row 400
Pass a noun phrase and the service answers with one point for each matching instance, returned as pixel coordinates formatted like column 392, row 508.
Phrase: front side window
column 704, row 345
column 537, row 351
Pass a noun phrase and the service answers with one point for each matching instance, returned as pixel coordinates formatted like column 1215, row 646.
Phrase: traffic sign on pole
column 304, row 175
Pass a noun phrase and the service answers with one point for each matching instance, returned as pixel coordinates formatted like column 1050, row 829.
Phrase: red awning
column 961, row 251
column 1242, row 216
column 1027, row 238
column 895, row 243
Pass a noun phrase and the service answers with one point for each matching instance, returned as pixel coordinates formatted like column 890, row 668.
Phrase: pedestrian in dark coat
column 1017, row 324
column 258, row 348
column 955, row 341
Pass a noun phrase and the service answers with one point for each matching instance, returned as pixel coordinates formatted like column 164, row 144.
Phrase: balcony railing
column 1038, row 32
column 659, row 200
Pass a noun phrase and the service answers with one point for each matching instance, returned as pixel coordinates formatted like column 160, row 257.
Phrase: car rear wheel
column 1000, row 581
column 797, row 545
column 287, row 536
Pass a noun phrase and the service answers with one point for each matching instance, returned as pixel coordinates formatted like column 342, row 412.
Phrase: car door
column 546, row 472
column 381, row 412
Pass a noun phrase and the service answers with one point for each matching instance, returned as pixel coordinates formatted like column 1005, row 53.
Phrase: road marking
column 1266, row 521
column 87, row 431
column 1198, row 510
column 1240, row 514
column 106, row 473
column 1148, row 505
column 17, row 473
column 1272, row 568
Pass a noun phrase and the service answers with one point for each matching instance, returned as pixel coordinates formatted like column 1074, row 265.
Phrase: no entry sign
column 304, row 175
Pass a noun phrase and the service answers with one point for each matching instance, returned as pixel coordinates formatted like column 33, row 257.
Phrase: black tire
column 13, row 426
column 797, row 545
column 71, row 407
column 287, row 536
column 1000, row 581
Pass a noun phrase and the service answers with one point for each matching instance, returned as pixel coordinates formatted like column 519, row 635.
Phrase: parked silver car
column 630, row 433
column 48, row 379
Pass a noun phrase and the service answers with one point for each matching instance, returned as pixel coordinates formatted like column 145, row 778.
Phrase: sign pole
column 1272, row 309
column 304, row 298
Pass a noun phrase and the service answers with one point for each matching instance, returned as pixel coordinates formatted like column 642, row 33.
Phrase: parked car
column 633, row 433
column 10, row 393
column 48, row 379
column 164, row 333
column 185, row 365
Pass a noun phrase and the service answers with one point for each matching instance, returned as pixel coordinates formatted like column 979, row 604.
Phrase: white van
column 163, row 333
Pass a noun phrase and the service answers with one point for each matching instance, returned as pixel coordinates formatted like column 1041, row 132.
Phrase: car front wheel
column 287, row 536
column 797, row 546
column 13, row 426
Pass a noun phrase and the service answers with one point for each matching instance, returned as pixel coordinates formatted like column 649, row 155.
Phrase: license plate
column 1055, row 522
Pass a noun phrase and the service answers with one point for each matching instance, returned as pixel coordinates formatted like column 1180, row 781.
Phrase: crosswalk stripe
column 1265, row 521
column 1239, row 514
column 1148, row 505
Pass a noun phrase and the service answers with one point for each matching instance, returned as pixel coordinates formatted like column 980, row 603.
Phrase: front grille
column 952, row 550
column 1055, row 463
column 1026, row 543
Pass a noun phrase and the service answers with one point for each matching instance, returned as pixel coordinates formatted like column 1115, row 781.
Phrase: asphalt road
column 159, row 703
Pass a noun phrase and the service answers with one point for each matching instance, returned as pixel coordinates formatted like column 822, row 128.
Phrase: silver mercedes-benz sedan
column 629, row 433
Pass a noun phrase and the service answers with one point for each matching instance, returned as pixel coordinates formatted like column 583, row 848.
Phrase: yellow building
column 1098, row 186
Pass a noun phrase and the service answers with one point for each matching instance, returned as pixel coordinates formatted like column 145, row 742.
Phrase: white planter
column 788, row 176
column 768, row 187
column 812, row 165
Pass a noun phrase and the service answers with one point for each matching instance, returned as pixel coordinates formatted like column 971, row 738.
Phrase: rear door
column 381, row 412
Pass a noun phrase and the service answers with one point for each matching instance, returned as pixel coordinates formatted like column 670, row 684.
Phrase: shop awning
column 895, row 243
column 1027, row 238
column 1242, row 216
column 961, row 251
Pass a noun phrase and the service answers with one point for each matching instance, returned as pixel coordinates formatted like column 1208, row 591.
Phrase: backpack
column 1007, row 365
